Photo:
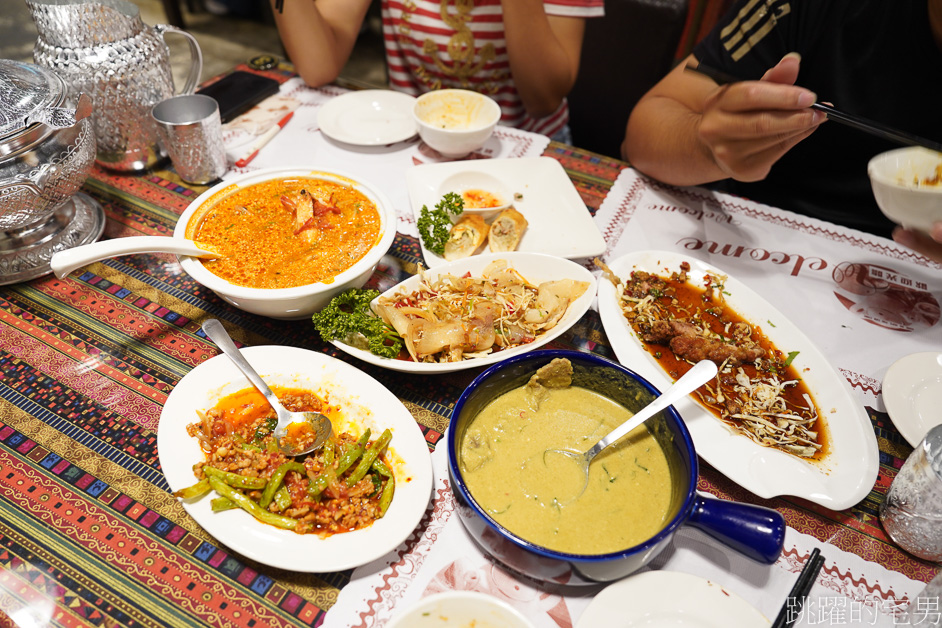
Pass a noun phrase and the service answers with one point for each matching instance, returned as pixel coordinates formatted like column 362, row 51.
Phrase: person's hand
column 748, row 126
column 929, row 245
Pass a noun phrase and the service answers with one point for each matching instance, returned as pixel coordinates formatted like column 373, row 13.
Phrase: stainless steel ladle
column 701, row 373
column 319, row 424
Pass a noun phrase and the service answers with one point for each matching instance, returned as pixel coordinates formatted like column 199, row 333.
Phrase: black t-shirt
column 872, row 58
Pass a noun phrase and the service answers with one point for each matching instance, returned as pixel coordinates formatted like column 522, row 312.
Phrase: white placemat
column 864, row 300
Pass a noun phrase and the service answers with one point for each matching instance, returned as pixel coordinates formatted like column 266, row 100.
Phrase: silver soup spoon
column 701, row 373
column 318, row 423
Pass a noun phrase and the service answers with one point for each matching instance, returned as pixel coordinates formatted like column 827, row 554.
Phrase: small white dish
column 460, row 609
column 840, row 480
column 366, row 403
column 668, row 598
column 912, row 394
column 559, row 223
column 534, row 267
column 369, row 117
column 474, row 182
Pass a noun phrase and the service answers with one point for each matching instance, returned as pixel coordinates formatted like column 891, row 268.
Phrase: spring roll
column 506, row 231
column 465, row 237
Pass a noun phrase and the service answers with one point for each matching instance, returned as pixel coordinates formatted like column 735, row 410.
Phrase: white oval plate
column 366, row 403
column 843, row 478
column 536, row 268
column 668, row 598
column 912, row 393
column 369, row 117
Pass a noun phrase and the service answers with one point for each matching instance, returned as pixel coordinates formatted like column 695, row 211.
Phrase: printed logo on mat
column 885, row 297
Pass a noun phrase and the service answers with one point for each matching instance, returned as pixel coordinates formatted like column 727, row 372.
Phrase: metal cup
column 190, row 130
column 912, row 511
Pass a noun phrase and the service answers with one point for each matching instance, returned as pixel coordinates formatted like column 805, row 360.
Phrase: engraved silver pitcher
column 104, row 49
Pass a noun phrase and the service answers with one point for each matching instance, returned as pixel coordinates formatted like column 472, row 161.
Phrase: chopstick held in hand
column 791, row 610
column 861, row 124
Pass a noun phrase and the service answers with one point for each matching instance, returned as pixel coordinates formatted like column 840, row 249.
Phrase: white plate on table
column 668, row 598
column 838, row 481
column 534, row 267
column 912, row 393
column 366, row 403
column 369, row 117
column 559, row 223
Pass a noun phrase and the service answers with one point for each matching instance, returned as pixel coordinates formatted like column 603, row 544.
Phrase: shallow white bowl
column 469, row 180
column 301, row 301
column 459, row 609
column 455, row 122
column 895, row 177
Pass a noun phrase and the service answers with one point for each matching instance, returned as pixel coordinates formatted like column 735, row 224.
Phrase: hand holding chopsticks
column 791, row 610
column 861, row 124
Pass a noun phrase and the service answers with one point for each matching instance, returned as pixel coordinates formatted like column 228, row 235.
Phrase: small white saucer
column 912, row 393
column 370, row 117
column 669, row 598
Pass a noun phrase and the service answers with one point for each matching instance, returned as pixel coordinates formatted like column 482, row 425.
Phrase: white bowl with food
column 482, row 193
column 455, row 122
column 465, row 609
column 290, row 238
column 907, row 185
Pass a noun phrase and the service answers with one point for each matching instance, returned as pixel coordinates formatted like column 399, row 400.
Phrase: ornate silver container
column 104, row 49
column 46, row 150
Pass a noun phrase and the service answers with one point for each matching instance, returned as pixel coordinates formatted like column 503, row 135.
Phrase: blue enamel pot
column 754, row 531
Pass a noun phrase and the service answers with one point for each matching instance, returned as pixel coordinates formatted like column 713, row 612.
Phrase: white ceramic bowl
column 475, row 181
column 898, row 179
column 455, row 122
column 301, row 301
column 460, row 609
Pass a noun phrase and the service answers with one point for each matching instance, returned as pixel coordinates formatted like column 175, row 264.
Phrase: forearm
column 662, row 141
column 543, row 62
column 319, row 36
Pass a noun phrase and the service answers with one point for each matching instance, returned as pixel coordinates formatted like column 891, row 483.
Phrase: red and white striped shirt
column 435, row 44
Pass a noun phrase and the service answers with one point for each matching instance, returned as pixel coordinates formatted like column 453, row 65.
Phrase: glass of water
column 912, row 511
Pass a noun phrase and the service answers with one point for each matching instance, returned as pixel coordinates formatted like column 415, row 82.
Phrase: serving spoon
column 314, row 422
column 701, row 373
column 64, row 262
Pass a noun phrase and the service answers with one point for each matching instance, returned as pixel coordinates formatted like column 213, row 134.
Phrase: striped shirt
column 460, row 44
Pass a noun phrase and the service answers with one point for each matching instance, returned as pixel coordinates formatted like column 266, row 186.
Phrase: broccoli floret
column 348, row 315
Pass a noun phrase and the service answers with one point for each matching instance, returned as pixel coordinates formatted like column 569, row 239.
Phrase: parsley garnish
column 434, row 225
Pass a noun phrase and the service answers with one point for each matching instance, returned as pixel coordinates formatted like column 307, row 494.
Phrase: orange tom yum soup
column 536, row 495
column 286, row 233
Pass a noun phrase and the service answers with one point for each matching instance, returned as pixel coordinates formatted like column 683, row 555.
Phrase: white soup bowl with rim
column 298, row 302
column 455, row 122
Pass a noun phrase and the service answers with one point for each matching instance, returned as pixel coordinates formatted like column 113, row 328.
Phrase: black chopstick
column 791, row 609
column 851, row 120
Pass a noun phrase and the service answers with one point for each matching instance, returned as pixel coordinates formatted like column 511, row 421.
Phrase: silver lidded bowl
column 47, row 148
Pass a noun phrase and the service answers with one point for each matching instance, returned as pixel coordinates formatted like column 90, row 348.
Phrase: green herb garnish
column 434, row 225
column 348, row 318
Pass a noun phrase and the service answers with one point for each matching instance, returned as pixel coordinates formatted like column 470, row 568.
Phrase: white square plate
column 559, row 222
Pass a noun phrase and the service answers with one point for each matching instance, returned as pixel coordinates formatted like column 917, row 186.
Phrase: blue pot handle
column 754, row 531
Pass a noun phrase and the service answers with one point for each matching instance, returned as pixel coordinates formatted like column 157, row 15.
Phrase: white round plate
column 668, row 598
column 369, row 117
column 366, row 403
column 912, row 393
column 846, row 474
column 535, row 267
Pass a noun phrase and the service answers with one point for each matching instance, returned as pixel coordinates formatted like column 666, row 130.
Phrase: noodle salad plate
column 534, row 268
column 846, row 469
column 363, row 403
